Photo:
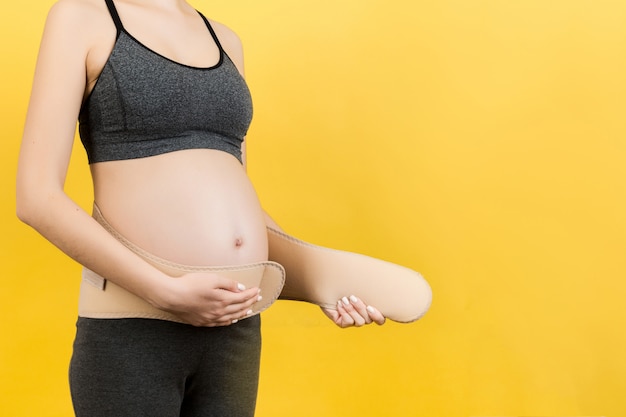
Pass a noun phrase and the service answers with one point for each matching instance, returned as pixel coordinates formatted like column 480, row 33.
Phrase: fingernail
column 371, row 309
column 339, row 304
column 241, row 287
column 354, row 299
column 345, row 300
column 259, row 298
column 234, row 321
column 249, row 313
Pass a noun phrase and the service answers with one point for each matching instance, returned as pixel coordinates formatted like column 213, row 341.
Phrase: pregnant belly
column 194, row 207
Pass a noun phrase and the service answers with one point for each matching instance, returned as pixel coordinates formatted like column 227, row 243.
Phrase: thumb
column 229, row 284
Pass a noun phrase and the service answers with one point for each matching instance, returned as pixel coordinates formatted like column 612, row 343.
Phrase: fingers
column 356, row 311
column 239, row 305
column 212, row 300
column 240, row 316
column 239, row 301
column 222, row 318
column 228, row 284
column 332, row 314
column 351, row 311
column 236, row 296
column 376, row 316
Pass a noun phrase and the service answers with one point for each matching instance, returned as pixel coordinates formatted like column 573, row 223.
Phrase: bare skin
column 195, row 207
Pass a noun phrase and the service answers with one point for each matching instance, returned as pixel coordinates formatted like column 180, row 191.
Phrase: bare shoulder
column 230, row 42
column 84, row 18
column 76, row 11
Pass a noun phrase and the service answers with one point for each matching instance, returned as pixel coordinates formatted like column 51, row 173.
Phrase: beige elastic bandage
column 314, row 274
column 323, row 276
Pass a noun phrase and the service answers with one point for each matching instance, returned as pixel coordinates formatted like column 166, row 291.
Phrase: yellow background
column 480, row 142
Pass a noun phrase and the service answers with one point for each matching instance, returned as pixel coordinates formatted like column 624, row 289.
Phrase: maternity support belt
column 100, row 298
column 314, row 274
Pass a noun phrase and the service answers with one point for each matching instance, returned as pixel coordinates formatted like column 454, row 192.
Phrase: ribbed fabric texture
column 144, row 104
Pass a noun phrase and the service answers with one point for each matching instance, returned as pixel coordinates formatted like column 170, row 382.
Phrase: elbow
column 24, row 196
column 24, row 207
column 29, row 204
column 35, row 201
column 33, row 192
column 37, row 188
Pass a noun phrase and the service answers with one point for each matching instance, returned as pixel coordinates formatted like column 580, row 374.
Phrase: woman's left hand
column 351, row 311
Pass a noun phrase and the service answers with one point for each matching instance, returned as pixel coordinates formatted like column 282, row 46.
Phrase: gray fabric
column 156, row 368
column 144, row 104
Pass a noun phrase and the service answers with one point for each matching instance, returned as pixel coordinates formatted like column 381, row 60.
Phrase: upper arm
column 57, row 92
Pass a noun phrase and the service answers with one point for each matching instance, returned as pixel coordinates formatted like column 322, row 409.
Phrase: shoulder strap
column 208, row 25
column 114, row 15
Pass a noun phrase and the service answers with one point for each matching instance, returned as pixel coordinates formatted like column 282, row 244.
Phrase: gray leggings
column 155, row 368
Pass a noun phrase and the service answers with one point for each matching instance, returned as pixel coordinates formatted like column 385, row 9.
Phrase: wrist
column 161, row 292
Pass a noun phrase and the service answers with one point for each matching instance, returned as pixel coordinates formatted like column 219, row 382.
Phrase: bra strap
column 208, row 25
column 114, row 15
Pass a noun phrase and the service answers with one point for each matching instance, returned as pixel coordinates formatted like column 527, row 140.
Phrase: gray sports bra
column 145, row 104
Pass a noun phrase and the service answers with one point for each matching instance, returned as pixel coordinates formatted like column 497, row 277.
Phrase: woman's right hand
column 207, row 299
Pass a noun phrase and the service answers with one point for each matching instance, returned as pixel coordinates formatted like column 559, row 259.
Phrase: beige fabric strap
column 313, row 273
column 103, row 299
column 322, row 276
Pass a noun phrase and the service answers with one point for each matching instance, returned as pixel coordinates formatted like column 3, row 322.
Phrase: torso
column 193, row 206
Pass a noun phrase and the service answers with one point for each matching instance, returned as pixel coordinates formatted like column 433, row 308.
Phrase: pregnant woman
column 163, row 109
